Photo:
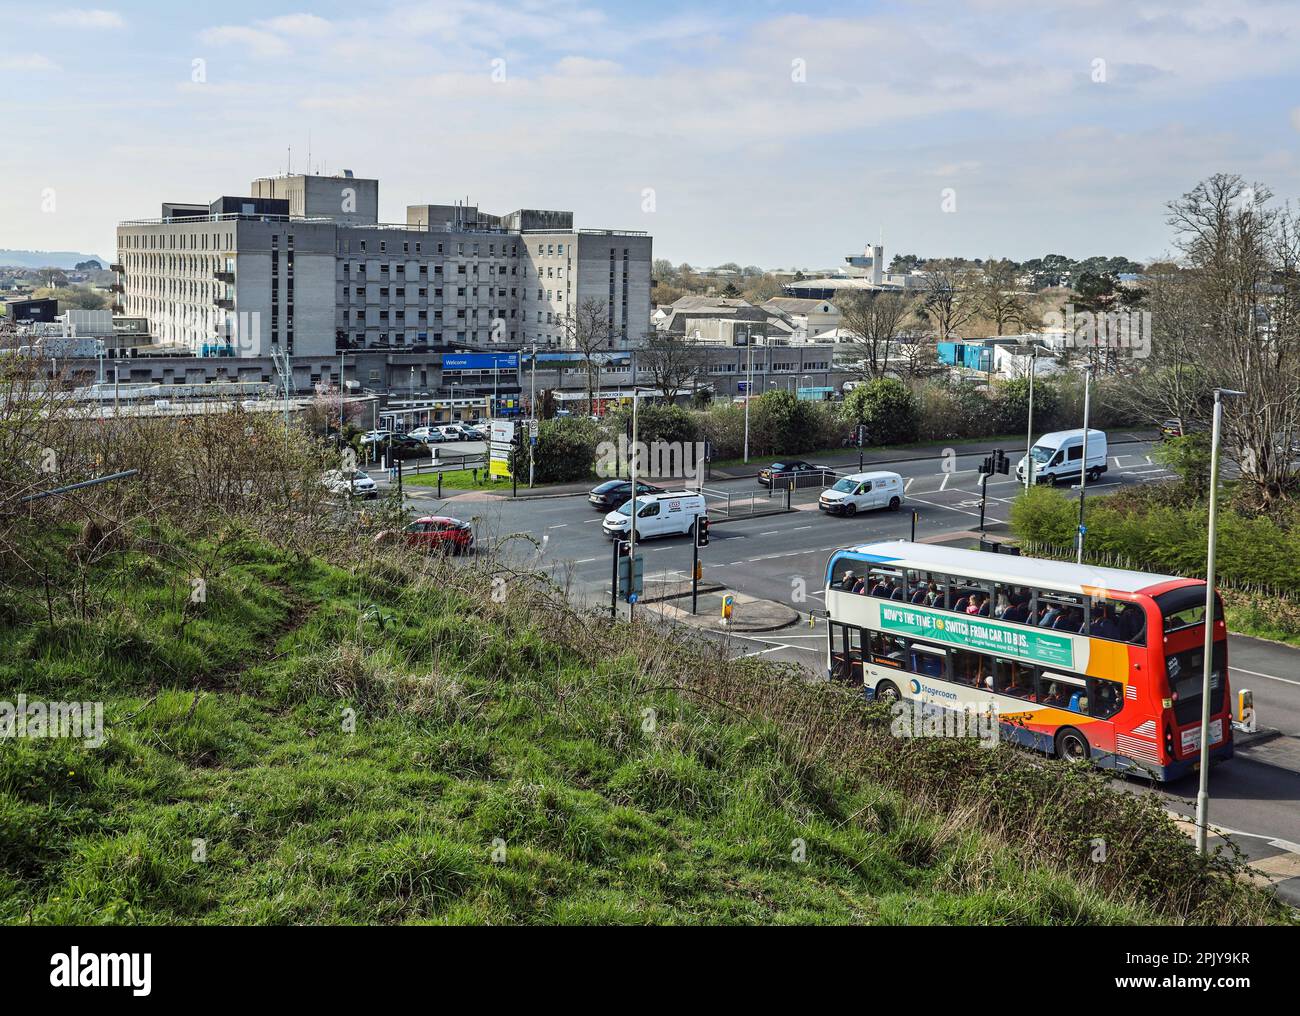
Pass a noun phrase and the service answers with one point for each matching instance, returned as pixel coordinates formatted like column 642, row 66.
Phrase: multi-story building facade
column 303, row 266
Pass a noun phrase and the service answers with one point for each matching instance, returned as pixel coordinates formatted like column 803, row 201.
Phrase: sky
column 768, row 133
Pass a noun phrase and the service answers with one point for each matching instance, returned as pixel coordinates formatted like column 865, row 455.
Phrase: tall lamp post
column 1029, row 436
column 749, row 382
column 1083, row 463
column 1207, row 667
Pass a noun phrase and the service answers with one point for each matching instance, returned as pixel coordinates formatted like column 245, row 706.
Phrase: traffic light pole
column 695, row 569
column 613, row 588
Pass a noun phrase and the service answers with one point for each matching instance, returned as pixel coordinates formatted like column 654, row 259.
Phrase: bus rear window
column 1184, row 608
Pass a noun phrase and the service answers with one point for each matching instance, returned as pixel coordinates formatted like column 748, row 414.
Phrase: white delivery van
column 1059, row 456
column 671, row 513
column 862, row 492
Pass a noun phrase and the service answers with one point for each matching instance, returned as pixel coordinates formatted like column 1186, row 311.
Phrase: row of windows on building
column 176, row 241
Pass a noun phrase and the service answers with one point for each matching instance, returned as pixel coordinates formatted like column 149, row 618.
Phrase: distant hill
column 65, row 259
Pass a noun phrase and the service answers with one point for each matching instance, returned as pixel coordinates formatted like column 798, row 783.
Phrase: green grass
column 385, row 740
column 459, row 479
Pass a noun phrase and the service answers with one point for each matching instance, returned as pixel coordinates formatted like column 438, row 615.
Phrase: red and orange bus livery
column 1080, row 662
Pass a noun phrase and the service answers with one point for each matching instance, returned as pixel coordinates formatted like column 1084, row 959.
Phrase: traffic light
column 702, row 531
column 996, row 463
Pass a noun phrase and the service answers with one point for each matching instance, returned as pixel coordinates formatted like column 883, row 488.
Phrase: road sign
column 636, row 585
column 501, row 445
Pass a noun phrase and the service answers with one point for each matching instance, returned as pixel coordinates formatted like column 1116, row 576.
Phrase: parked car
column 1177, row 428
column 429, row 435
column 613, row 493
column 403, row 446
column 456, row 432
column 354, row 482
column 375, row 436
column 862, row 492
column 803, row 473
column 434, row 532
column 672, row 512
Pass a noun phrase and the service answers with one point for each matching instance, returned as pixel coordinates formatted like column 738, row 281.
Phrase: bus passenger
column 848, row 581
column 1017, row 611
column 1051, row 614
column 1132, row 622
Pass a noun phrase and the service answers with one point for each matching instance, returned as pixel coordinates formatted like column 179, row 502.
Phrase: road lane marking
column 944, row 484
column 1255, row 673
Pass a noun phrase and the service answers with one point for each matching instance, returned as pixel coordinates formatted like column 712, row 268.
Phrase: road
column 783, row 557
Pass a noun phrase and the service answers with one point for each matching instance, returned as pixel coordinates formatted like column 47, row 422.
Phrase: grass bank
column 392, row 738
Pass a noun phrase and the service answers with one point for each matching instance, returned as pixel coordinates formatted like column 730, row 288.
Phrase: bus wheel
column 894, row 504
column 887, row 691
column 1072, row 746
column 850, row 510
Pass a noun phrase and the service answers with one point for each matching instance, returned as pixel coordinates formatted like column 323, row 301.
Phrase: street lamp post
column 749, row 382
column 631, row 526
column 1029, row 436
column 1207, row 667
column 532, row 408
column 1083, row 463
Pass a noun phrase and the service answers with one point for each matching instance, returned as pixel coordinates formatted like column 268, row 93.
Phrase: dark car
column 613, row 494
column 434, row 532
column 405, row 447
column 781, row 473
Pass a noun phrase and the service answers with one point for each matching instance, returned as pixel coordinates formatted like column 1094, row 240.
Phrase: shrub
column 888, row 409
column 566, row 451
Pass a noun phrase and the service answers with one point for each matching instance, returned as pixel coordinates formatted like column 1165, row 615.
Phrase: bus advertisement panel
column 1080, row 662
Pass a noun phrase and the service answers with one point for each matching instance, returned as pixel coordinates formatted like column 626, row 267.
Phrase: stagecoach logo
column 980, row 634
column 930, row 719
column 916, row 686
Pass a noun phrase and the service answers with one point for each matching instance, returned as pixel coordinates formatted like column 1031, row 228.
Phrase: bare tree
column 948, row 299
column 1229, row 317
column 587, row 330
column 673, row 361
column 874, row 320
column 999, row 298
column 1246, row 259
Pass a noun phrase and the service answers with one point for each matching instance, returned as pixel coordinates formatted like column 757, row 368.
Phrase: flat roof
column 1037, row 571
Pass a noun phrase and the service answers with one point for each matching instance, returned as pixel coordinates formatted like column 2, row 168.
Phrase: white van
column 862, row 492
column 1059, row 456
column 671, row 513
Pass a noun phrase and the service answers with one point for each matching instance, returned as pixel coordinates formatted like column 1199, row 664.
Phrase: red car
column 436, row 532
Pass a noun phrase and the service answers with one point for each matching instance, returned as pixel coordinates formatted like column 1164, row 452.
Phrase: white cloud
column 29, row 62
column 307, row 26
column 256, row 41
column 93, row 19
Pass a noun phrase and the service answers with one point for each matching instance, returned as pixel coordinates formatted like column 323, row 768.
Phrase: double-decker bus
column 1076, row 661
